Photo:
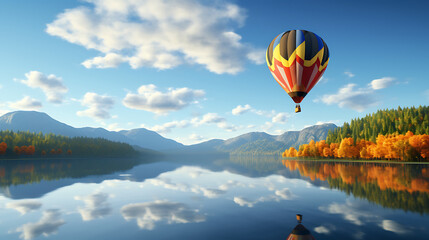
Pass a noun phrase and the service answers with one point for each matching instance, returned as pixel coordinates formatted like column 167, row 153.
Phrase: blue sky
column 195, row 70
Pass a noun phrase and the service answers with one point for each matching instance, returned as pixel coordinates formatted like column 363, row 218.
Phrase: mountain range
column 253, row 142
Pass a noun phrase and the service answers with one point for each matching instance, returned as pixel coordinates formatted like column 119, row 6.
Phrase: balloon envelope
column 297, row 60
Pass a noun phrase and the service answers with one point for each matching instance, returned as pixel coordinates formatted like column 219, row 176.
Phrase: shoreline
column 359, row 161
column 57, row 158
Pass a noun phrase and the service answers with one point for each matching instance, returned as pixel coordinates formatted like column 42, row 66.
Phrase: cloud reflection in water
column 96, row 206
column 359, row 214
column 149, row 213
column 24, row 206
column 47, row 225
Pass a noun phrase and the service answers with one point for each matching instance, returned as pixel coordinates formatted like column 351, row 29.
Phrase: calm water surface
column 211, row 198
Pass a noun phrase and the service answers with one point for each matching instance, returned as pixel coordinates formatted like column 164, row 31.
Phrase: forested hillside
column 384, row 122
column 26, row 143
column 400, row 134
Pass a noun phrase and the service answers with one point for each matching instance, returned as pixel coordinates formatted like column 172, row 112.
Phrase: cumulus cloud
column 51, row 85
column 158, row 33
column 257, row 56
column 241, row 109
column 196, row 137
column 149, row 99
column 24, row 206
column 166, row 127
column 348, row 96
column 227, row 127
column 214, row 118
column 110, row 60
column 208, row 118
column 96, row 206
column 26, row 103
column 280, row 118
column 98, row 106
column 381, row 83
column 349, row 74
column 47, row 225
column 149, row 213
column 357, row 98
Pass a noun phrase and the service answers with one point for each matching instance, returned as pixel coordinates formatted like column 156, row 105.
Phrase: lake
column 211, row 198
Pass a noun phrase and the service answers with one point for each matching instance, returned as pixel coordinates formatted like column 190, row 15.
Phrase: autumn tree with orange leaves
column 408, row 147
column 3, row 147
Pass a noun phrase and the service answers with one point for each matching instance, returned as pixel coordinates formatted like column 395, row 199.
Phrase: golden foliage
column 390, row 147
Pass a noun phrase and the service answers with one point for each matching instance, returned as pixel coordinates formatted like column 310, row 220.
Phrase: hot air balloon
column 297, row 60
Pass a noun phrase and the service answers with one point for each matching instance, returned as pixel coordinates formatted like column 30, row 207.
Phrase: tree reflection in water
column 389, row 185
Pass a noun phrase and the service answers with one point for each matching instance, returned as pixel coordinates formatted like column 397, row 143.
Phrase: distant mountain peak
column 11, row 116
column 36, row 122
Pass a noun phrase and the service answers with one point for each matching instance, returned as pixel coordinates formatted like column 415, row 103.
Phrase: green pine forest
column 384, row 122
column 26, row 144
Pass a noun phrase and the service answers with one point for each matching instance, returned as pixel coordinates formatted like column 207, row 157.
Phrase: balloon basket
column 297, row 108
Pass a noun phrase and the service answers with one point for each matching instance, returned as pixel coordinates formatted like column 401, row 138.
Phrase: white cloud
column 51, row 85
column 349, row 74
column 149, row 213
column 326, row 122
column 348, row 96
column 227, row 127
column 241, row 109
column 257, row 56
column 114, row 127
column 47, row 225
column 98, row 106
column 26, row 103
column 166, row 127
column 96, row 206
column 196, row 137
column 381, row 83
column 214, row 118
column 149, row 99
column 24, row 206
column 393, row 226
column 110, row 60
column 207, row 119
column 158, row 33
column 280, row 118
